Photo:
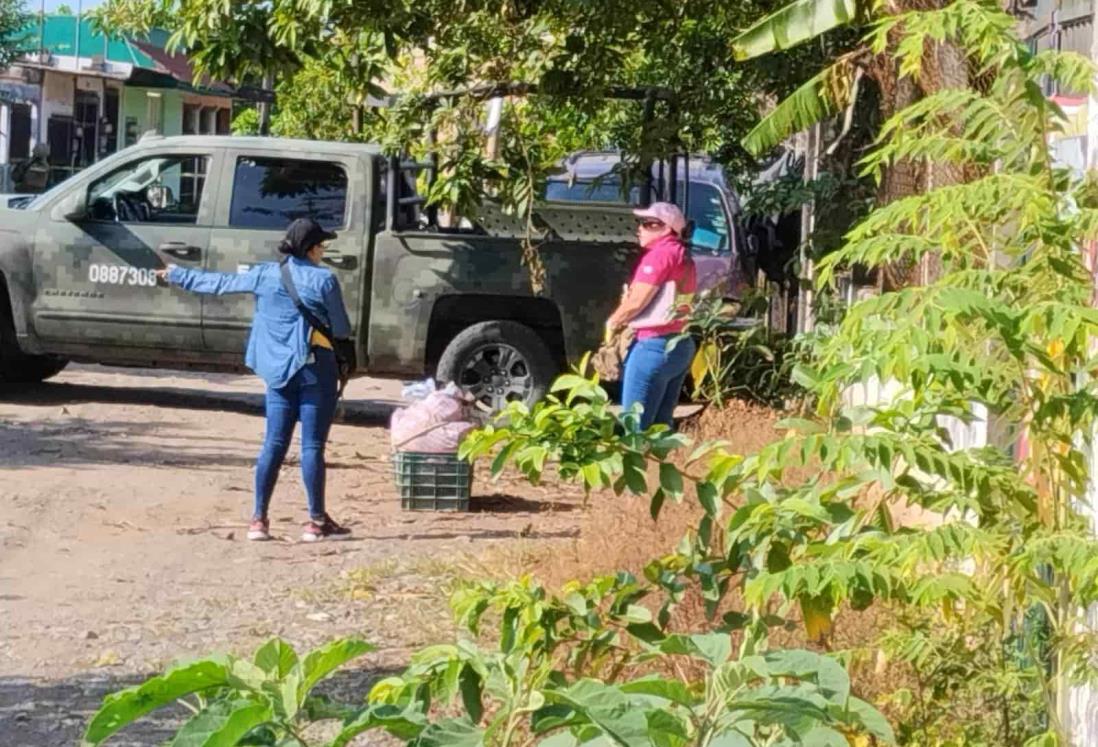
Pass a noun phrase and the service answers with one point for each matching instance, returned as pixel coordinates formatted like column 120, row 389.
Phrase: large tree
column 902, row 68
column 558, row 46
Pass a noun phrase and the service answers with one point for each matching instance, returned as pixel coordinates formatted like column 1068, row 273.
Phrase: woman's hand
column 636, row 298
column 162, row 274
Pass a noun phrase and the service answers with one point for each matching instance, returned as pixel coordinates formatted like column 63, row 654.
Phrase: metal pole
column 42, row 30
column 806, row 320
column 79, row 13
column 5, row 145
column 265, row 105
column 1081, row 719
column 432, row 174
column 672, row 195
column 646, row 183
column 491, row 127
column 673, row 179
column 120, row 125
column 390, row 193
column 686, row 184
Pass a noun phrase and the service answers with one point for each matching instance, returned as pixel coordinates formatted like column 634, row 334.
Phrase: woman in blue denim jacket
column 297, row 363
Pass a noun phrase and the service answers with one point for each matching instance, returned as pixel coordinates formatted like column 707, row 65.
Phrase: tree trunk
column 944, row 68
column 903, row 178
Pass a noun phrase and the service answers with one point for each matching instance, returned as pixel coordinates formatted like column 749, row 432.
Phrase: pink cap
column 667, row 213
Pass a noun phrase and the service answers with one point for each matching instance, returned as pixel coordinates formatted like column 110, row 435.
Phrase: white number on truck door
column 121, row 275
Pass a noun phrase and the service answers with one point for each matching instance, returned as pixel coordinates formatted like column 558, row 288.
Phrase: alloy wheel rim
column 495, row 375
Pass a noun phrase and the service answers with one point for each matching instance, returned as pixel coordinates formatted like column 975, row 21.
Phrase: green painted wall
column 135, row 107
column 58, row 35
column 173, row 113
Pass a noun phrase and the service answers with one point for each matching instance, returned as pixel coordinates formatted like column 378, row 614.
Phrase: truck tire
column 29, row 369
column 16, row 367
column 498, row 362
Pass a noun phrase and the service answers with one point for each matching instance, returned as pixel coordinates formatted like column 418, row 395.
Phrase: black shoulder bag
column 344, row 350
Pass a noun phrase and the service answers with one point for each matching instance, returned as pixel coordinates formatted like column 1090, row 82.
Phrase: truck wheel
column 29, row 369
column 498, row 362
column 16, row 367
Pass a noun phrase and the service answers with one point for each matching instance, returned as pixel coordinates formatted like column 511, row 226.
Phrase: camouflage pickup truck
column 77, row 266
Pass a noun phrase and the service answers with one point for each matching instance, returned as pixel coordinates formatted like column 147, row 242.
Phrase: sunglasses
column 652, row 225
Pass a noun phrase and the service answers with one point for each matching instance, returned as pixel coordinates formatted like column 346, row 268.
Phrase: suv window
column 272, row 192
column 710, row 221
column 157, row 189
column 606, row 189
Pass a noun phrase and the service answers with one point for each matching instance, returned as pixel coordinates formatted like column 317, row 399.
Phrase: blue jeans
column 654, row 377
column 310, row 397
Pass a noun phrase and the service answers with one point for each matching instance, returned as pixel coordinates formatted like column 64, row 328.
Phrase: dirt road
column 124, row 498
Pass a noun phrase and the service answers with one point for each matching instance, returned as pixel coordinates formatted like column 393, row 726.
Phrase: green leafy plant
column 738, row 356
column 865, row 501
column 573, row 51
column 965, row 688
column 262, row 701
column 1007, row 326
column 567, row 669
column 246, row 122
column 558, row 677
column 577, row 428
column 14, row 34
column 131, row 17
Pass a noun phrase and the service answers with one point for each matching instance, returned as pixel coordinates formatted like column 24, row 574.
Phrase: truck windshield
column 128, row 179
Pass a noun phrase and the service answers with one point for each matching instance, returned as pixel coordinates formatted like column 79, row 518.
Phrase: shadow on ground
column 51, row 714
column 514, row 504
column 81, row 441
column 351, row 411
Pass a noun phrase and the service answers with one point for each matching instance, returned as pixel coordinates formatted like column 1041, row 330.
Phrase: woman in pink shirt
column 661, row 290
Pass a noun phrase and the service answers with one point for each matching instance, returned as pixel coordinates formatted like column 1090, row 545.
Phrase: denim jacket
column 278, row 345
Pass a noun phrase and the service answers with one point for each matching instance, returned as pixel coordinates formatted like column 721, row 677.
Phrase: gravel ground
column 126, row 497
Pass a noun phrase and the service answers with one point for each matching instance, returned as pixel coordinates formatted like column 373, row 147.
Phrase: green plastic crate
column 432, row 482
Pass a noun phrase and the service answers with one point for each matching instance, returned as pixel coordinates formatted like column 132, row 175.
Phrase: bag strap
column 310, row 317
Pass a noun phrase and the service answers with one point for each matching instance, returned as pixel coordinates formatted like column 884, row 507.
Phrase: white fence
column 1083, row 701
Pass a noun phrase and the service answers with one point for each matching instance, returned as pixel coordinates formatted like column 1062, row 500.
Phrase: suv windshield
column 607, row 189
column 710, row 222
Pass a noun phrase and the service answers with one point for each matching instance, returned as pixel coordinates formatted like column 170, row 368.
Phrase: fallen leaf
column 109, row 658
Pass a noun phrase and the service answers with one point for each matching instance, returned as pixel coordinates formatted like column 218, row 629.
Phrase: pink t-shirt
column 665, row 262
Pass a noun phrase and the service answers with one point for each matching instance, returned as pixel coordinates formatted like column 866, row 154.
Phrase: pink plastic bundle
column 435, row 424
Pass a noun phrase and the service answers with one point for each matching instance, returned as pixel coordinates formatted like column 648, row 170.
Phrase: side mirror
column 73, row 207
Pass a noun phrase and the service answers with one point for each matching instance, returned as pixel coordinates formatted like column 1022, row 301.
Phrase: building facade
column 77, row 96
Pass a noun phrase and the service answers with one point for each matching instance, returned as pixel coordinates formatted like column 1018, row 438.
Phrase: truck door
column 267, row 189
column 95, row 274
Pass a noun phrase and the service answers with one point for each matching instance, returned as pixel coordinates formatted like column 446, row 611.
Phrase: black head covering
column 302, row 235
